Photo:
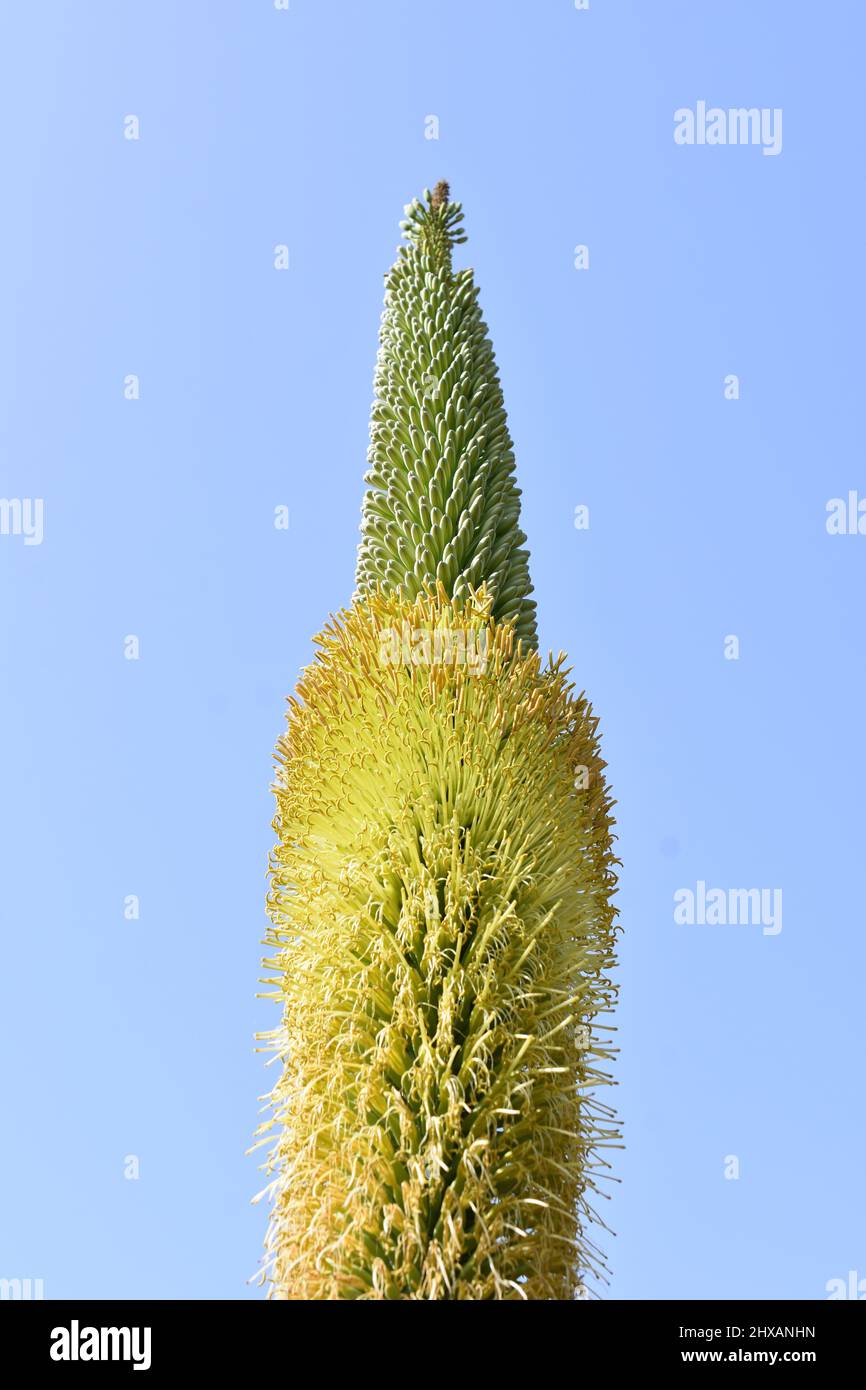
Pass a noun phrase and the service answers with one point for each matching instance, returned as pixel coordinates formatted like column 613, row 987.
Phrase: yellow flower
column 440, row 941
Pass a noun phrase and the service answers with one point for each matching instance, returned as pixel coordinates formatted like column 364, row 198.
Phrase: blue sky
column 150, row 777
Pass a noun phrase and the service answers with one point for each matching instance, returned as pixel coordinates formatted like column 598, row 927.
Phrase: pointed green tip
column 442, row 503
column 433, row 223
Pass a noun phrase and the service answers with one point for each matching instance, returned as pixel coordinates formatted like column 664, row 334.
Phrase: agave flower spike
column 442, row 929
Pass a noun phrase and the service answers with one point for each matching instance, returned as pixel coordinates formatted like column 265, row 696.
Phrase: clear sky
column 131, row 1038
